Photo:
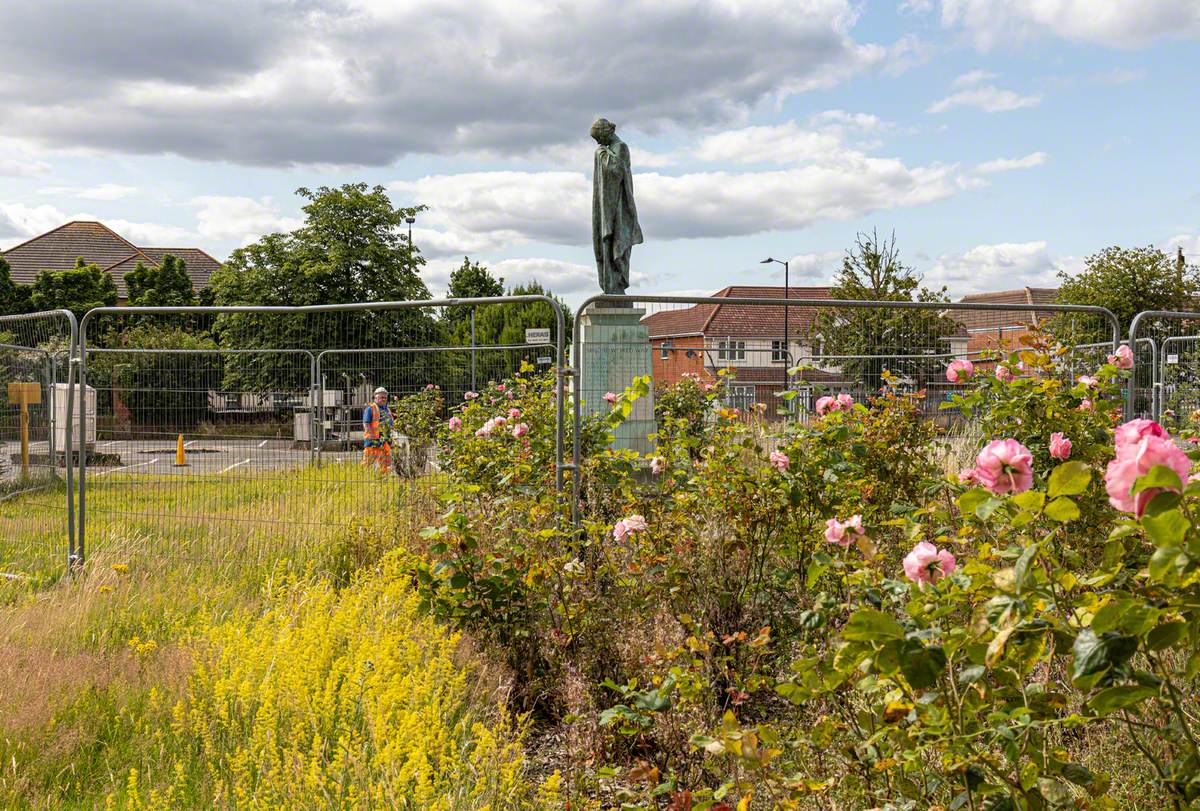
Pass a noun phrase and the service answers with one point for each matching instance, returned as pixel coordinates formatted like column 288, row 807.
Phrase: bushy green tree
column 79, row 289
column 897, row 340
column 1126, row 281
column 166, row 285
column 14, row 298
column 351, row 248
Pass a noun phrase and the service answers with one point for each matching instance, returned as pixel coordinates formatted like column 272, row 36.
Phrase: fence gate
column 235, row 434
column 37, row 508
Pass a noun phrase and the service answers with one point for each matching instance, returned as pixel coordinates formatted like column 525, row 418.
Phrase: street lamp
column 787, row 343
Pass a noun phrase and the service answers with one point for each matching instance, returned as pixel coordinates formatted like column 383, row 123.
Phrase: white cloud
column 18, row 221
column 1004, row 266
column 1008, row 164
column 18, row 167
column 147, row 234
column 477, row 211
column 239, row 219
column 842, row 122
column 363, row 82
column 104, row 191
column 986, row 97
column 915, row 6
column 1118, row 23
column 974, row 77
column 1190, row 244
column 783, row 143
column 554, row 274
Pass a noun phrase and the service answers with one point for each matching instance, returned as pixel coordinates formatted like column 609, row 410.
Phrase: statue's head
column 603, row 130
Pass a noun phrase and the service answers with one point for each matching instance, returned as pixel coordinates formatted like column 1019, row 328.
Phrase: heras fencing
column 239, row 431
column 37, row 404
column 777, row 357
column 1165, row 384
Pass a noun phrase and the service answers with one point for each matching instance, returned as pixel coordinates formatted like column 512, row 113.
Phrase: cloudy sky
column 1001, row 140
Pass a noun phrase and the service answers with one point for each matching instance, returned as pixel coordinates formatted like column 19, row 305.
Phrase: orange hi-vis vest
column 372, row 428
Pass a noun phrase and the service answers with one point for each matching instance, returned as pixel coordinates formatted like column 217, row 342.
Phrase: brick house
column 100, row 245
column 1003, row 330
column 747, row 339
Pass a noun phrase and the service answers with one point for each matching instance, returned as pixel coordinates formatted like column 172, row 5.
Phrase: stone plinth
column 614, row 349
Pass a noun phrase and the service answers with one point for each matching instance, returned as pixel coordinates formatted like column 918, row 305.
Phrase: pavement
column 205, row 456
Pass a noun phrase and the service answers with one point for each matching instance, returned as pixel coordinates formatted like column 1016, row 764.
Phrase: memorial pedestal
column 614, row 349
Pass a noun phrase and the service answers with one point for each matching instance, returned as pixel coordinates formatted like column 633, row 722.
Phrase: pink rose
column 500, row 387
column 966, row 475
column 1123, row 359
column 454, row 424
column 1140, row 446
column 657, row 465
column 780, row 460
column 1085, row 405
column 824, row 404
column 610, row 398
column 487, row 428
column 500, row 421
column 1004, row 374
column 1060, row 446
column 1004, row 466
column 843, row 533
column 959, row 370
column 1135, row 431
column 519, row 430
column 470, row 395
column 429, row 387
column 845, row 402
column 928, row 564
column 634, row 523
column 514, row 413
column 1088, row 381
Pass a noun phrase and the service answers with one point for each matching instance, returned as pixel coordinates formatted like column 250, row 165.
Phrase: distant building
column 1003, row 330
column 99, row 245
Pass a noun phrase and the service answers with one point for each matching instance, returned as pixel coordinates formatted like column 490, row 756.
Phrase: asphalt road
column 205, row 456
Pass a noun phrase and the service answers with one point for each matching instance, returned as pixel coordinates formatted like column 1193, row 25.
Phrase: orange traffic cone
column 180, row 456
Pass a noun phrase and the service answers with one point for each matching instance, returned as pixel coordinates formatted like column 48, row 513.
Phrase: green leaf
column 1031, row 500
column 970, row 500
column 984, row 511
column 1069, row 479
column 1095, row 656
column 1165, row 635
column 1167, row 528
column 1158, row 476
column 1111, row 699
column 922, row 665
column 971, row 674
column 1062, row 510
column 1078, row 774
column 1021, row 570
column 869, row 625
column 1164, row 562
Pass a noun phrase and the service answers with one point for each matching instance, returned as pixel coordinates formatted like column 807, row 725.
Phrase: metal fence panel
column 820, row 346
column 37, row 407
column 1166, row 374
column 246, row 423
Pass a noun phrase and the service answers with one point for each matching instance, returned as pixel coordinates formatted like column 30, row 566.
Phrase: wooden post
column 25, row 395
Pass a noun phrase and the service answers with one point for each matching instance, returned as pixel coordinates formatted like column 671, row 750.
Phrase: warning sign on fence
column 537, row 335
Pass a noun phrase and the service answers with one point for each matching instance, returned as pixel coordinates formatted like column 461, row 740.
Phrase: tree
column 79, row 289
column 351, row 248
column 470, row 280
column 14, row 298
column 166, row 285
column 908, row 342
column 1126, row 281
column 505, row 324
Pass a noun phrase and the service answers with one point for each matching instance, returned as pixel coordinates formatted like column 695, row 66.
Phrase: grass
column 284, row 579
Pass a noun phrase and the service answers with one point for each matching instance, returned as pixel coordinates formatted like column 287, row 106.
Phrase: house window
column 779, row 352
column 665, row 350
column 731, row 350
column 739, row 396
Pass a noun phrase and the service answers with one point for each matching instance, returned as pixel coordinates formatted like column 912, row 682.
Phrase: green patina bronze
column 615, row 228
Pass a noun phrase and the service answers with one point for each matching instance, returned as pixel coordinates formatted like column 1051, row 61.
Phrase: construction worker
column 377, row 433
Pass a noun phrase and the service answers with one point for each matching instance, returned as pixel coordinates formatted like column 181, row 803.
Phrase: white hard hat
column 381, row 390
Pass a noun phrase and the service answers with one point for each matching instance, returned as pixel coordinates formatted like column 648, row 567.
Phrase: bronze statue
column 615, row 228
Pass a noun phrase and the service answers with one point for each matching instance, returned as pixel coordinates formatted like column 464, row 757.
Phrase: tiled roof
column 1027, row 296
column 100, row 245
column 739, row 320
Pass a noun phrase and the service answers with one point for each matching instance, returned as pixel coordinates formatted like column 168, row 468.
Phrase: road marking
column 127, row 467
column 264, row 442
column 106, row 444
column 231, row 467
column 189, row 442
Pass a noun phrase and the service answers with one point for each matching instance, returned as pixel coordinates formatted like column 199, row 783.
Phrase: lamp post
column 787, row 343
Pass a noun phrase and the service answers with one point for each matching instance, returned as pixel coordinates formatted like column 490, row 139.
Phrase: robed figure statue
column 615, row 228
